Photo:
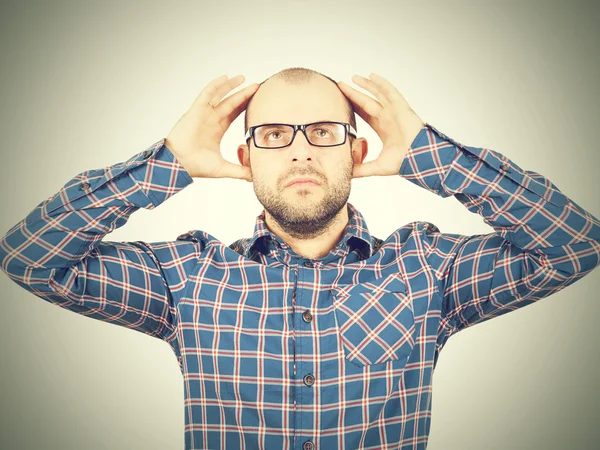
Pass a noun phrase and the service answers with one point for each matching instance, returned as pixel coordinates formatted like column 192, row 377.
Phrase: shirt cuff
column 159, row 174
column 427, row 159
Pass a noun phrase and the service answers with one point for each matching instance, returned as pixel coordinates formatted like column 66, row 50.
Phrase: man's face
column 303, row 211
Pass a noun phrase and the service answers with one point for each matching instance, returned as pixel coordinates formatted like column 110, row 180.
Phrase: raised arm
column 543, row 241
column 57, row 252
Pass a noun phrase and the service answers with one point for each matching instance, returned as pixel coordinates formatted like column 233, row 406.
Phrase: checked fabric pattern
column 278, row 351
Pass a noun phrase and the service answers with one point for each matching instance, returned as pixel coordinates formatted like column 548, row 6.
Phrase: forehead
column 283, row 102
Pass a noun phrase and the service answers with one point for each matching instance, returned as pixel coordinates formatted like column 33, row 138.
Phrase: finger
column 367, row 169
column 231, row 170
column 233, row 105
column 207, row 93
column 370, row 86
column 223, row 89
column 366, row 107
column 388, row 89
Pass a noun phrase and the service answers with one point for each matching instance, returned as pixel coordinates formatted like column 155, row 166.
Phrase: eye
column 272, row 133
column 322, row 129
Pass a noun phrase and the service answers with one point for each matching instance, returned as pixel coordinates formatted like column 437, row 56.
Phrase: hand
column 390, row 116
column 195, row 140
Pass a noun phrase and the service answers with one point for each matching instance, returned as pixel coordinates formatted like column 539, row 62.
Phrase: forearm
column 523, row 207
column 62, row 230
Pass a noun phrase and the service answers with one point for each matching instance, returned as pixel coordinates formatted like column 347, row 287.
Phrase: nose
column 297, row 148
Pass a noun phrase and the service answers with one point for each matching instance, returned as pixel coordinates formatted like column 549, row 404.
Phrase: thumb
column 231, row 170
column 367, row 169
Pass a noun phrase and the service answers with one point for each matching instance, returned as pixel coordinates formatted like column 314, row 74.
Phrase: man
column 311, row 333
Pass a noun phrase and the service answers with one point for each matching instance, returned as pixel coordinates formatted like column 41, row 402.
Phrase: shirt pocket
column 375, row 320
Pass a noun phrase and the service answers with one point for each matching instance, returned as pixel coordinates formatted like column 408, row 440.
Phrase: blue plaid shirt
column 278, row 351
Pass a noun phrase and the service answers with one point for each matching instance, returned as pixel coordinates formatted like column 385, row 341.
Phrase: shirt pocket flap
column 375, row 320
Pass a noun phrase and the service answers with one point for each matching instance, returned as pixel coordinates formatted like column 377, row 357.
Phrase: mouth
column 303, row 182
column 298, row 184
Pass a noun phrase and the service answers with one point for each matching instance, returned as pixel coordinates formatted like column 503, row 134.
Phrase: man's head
column 299, row 96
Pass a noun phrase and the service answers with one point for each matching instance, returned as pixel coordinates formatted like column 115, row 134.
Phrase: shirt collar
column 356, row 233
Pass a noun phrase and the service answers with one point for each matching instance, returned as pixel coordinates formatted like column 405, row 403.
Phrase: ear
column 360, row 148
column 243, row 155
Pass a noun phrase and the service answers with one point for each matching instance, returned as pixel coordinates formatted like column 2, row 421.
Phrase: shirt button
column 308, row 264
column 84, row 186
column 309, row 380
column 308, row 445
column 307, row 316
column 147, row 154
column 505, row 168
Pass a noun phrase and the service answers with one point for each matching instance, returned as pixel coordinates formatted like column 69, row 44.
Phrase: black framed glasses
column 280, row 135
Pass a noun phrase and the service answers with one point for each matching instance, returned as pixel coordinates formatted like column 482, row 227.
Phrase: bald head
column 298, row 96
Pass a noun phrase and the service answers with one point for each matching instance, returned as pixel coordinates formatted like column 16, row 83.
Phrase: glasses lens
column 320, row 134
column 273, row 136
column 326, row 133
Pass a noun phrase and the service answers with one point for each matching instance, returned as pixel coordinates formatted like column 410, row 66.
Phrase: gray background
column 87, row 85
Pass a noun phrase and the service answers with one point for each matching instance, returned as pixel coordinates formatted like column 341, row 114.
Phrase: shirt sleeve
column 542, row 243
column 56, row 251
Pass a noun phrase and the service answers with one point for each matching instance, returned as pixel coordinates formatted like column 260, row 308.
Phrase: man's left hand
column 390, row 116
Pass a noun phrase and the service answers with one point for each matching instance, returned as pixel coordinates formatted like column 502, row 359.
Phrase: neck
column 315, row 247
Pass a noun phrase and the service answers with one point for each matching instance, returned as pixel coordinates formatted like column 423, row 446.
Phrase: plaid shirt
column 278, row 351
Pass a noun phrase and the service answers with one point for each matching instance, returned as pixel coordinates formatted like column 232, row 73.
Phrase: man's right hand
column 195, row 140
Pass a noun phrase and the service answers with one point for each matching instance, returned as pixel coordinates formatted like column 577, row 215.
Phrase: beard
column 305, row 213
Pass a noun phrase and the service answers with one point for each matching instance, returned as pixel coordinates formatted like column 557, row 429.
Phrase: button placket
column 308, row 379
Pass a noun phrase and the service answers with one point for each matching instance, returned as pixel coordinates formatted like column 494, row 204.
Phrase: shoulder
column 426, row 237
